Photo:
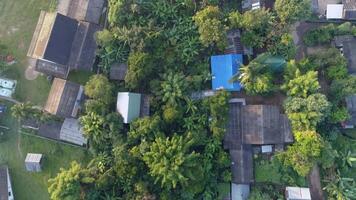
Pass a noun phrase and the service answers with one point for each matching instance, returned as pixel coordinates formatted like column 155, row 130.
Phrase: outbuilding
column 132, row 106
column 223, row 68
column 335, row 11
column 297, row 193
column 33, row 162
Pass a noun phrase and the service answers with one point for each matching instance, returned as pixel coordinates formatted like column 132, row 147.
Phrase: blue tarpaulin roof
column 223, row 67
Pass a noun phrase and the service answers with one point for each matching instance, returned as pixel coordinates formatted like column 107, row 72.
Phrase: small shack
column 33, row 162
column 223, row 68
column 64, row 98
column 297, row 193
column 132, row 105
column 71, row 131
column 128, row 105
column 335, row 11
column 118, row 71
column 6, row 192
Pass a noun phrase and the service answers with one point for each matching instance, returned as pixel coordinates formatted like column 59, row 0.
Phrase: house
column 64, row 98
column 223, row 68
column 33, row 162
column 297, row 193
column 61, row 44
column 351, row 107
column 335, row 9
column 132, row 105
column 6, row 192
column 251, row 126
column 68, row 131
column 347, row 46
column 118, row 71
column 82, row 10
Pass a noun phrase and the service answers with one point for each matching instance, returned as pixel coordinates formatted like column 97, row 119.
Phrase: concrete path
column 30, row 73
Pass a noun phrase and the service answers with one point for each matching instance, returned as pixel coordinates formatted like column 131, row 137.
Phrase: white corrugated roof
column 334, row 11
column 33, row 157
column 298, row 193
column 128, row 105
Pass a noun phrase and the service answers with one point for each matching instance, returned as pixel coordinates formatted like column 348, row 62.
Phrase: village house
column 64, row 98
column 6, row 192
column 250, row 127
column 82, row 10
column 335, row 9
column 61, row 44
column 132, row 106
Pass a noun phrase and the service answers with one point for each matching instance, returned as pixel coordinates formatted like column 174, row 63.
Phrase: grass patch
column 18, row 19
column 224, row 190
column 265, row 171
column 13, row 150
column 80, row 77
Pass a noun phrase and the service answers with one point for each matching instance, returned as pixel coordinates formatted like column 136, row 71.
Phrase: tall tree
column 306, row 113
column 67, row 184
column 171, row 161
column 212, row 30
column 304, row 153
column 290, row 11
column 99, row 88
column 303, row 84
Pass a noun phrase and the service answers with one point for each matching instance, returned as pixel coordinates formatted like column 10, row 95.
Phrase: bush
column 339, row 114
column 336, row 72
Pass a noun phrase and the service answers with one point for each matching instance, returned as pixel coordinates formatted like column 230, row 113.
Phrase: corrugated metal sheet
column 223, row 67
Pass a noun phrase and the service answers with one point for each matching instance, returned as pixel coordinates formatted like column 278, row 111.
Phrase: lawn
column 13, row 150
column 18, row 20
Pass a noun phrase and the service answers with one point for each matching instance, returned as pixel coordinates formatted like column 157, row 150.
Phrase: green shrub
column 339, row 114
column 336, row 72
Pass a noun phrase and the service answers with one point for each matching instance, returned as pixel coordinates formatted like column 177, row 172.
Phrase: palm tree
column 347, row 158
column 341, row 188
column 173, row 88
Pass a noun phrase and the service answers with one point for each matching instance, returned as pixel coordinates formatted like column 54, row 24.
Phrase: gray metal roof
column 351, row 107
column 50, row 129
column 72, row 132
column 51, row 68
column 242, row 165
column 4, row 195
column 256, row 124
column 84, row 10
column 84, row 47
column 118, row 71
column 33, row 158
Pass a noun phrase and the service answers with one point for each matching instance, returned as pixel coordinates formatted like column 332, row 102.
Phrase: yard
column 18, row 19
column 13, row 150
